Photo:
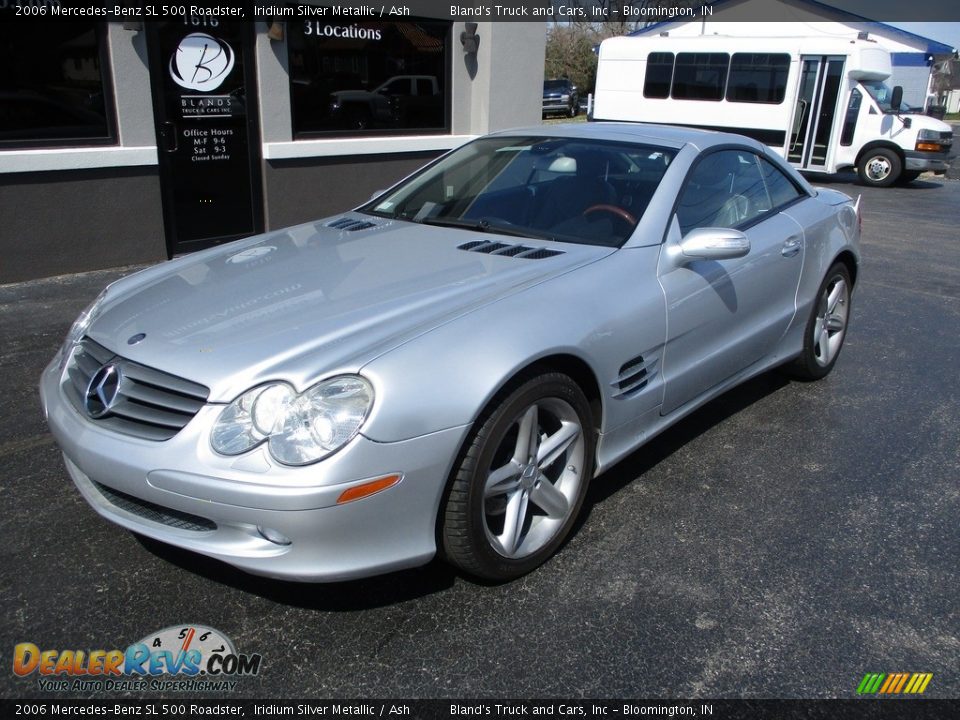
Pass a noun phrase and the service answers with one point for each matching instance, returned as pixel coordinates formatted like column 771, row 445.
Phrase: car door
column 724, row 315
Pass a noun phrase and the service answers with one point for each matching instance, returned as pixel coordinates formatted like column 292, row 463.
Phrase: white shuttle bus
column 821, row 102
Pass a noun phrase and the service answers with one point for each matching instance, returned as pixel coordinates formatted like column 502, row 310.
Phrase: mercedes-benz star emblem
column 103, row 390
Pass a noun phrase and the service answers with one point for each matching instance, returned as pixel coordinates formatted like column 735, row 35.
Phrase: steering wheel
column 613, row 210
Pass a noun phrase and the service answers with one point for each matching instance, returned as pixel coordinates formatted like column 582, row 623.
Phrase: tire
column 907, row 177
column 574, row 108
column 826, row 328
column 879, row 167
column 520, row 481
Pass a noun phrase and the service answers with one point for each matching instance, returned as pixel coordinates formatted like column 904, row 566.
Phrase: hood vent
column 634, row 375
column 351, row 224
column 498, row 248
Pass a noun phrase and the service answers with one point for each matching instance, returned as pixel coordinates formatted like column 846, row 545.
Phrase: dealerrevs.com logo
column 180, row 658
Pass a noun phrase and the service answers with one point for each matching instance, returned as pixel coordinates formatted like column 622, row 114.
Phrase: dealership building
column 131, row 142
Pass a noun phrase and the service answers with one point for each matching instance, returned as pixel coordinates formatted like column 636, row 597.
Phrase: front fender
column 598, row 314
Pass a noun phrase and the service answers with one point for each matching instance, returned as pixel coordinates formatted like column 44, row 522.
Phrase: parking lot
column 781, row 542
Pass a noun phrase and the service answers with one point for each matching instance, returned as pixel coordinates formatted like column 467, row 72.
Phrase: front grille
column 149, row 404
column 155, row 513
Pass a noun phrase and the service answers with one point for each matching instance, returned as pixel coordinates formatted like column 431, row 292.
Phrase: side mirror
column 714, row 244
column 896, row 98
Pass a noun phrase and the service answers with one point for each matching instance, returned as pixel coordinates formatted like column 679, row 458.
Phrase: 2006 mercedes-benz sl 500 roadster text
column 445, row 369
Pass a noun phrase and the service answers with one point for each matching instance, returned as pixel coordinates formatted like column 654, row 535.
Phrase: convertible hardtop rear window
column 554, row 188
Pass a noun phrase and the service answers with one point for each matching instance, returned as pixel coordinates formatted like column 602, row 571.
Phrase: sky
column 946, row 32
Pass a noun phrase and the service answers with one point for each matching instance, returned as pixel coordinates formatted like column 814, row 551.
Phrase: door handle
column 168, row 137
column 791, row 246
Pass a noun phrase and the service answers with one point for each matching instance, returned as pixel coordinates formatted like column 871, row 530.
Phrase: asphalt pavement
column 781, row 542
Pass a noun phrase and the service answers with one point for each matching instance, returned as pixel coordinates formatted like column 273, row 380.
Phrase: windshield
column 555, row 85
column 564, row 189
column 881, row 94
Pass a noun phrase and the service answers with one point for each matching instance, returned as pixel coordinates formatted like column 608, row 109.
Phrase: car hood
column 307, row 301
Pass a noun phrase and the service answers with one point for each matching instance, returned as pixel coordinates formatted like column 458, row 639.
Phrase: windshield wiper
column 484, row 225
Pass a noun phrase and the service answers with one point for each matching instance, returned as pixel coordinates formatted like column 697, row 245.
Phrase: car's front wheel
column 879, row 167
column 520, row 482
column 827, row 326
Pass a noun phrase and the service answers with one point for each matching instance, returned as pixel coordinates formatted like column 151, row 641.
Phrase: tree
column 572, row 43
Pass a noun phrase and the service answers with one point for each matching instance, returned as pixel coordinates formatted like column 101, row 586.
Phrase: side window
column 850, row 120
column 725, row 189
column 659, row 73
column 758, row 77
column 780, row 188
column 700, row 76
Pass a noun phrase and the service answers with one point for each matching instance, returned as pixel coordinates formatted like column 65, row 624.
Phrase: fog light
column 277, row 538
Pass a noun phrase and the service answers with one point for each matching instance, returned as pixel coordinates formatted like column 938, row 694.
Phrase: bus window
column 700, row 76
column 659, row 74
column 850, row 121
column 758, row 78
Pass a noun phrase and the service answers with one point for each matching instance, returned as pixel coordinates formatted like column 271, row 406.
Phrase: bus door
column 811, row 133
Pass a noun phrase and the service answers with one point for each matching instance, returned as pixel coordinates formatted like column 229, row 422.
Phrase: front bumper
column 149, row 487
column 555, row 105
column 925, row 162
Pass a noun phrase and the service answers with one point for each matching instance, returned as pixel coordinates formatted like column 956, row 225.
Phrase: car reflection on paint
column 444, row 369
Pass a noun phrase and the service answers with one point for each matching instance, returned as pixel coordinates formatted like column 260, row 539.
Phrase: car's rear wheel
column 521, row 480
column 827, row 326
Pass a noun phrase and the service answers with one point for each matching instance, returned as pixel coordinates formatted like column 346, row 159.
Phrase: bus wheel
column 879, row 167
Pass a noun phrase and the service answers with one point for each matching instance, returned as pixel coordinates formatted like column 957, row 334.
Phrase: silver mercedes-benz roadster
column 444, row 369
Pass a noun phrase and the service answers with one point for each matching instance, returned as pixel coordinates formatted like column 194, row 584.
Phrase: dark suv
column 560, row 96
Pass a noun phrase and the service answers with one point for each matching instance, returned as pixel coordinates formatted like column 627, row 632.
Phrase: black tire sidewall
column 806, row 366
column 896, row 167
column 471, row 472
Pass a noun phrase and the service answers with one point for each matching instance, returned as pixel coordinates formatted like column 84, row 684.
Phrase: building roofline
column 933, row 47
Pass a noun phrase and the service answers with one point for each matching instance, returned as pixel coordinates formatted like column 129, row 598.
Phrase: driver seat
column 568, row 196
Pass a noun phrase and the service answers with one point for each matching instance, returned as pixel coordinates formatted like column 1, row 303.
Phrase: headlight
column 299, row 429
column 928, row 135
column 80, row 327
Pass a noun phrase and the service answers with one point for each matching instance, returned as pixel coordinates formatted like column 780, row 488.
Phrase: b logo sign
column 201, row 62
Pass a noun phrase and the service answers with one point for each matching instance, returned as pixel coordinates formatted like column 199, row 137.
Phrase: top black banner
column 639, row 12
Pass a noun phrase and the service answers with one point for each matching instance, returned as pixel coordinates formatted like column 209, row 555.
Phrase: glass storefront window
column 52, row 84
column 355, row 78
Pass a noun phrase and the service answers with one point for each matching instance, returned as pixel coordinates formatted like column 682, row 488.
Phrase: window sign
column 349, row 78
column 52, row 86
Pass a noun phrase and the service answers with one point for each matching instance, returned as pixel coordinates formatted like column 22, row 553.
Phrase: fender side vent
column 634, row 375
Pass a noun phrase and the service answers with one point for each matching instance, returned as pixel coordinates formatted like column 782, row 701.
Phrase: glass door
column 208, row 141
column 814, row 117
